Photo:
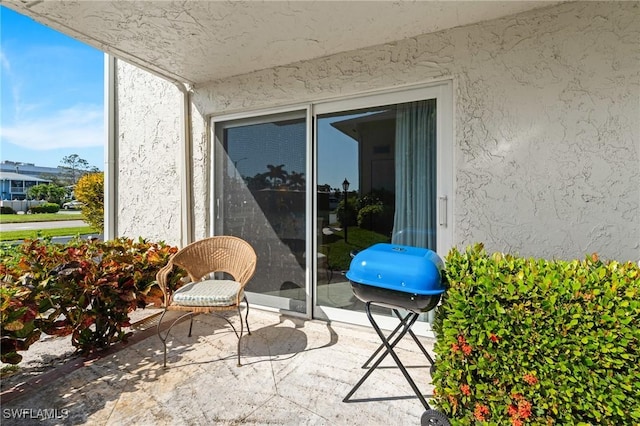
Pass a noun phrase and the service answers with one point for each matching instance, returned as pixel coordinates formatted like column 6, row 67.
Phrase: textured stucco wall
column 201, row 166
column 547, row 142
column 148, row 156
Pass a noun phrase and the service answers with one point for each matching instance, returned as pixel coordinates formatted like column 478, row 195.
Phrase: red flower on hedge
column 530, row 379
column 493, row 338
column 455, row 347
column 480, row 412
column 524, row 409
column 466, row 349
column 453, row 401
column 465, row 389
column 521, row 411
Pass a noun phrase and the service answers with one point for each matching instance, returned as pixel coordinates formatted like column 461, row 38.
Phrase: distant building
column 14, row 186
column 31, row 169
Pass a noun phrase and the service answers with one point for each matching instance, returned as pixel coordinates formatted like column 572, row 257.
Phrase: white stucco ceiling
column 201, row 41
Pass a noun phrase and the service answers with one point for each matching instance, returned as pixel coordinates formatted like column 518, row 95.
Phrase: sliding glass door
column 310, row 188
column 382, row 174
column 260, row 195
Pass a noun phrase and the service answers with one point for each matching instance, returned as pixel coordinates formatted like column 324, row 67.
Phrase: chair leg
column 240, row 337
column 246, row 316
column 163, row 340
column 166, row 336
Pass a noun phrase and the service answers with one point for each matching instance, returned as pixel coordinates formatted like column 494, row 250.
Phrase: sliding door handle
column 442, row 210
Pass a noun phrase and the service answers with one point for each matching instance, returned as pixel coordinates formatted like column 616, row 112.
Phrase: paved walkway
column 295, row 372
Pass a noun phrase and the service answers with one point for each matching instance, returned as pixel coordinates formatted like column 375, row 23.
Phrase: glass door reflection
column 376, row 171
column 260, row 196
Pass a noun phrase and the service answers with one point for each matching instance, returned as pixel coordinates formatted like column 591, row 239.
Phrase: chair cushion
column 208, row 293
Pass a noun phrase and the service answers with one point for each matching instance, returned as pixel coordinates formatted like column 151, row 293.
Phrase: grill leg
column 409, row 321
column 390, row 350
column 403, row 323
column 415, row 339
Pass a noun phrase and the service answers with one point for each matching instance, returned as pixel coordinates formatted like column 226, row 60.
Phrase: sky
column 52, row 95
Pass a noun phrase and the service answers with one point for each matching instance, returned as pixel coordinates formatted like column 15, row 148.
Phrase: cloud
column 77, row 127
column 4, row 62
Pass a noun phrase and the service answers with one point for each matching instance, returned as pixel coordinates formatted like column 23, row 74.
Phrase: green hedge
column 538, row 342
column 45, row 208
column 7, row 210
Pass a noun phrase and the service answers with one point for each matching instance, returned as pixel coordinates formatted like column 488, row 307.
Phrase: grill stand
column 411, row 333
column 405, row 323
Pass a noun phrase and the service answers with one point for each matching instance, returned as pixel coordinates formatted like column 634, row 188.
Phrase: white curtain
column 415, row 163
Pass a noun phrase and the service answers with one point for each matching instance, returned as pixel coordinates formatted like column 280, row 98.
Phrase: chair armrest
column 163, row 280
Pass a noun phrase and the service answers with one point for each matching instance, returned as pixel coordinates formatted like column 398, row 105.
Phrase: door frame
column 442, row 91
column 278, row 303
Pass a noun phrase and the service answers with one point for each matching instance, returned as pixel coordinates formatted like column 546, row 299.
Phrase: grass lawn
column 40, row 217
column 41, row 233
column 338, row 251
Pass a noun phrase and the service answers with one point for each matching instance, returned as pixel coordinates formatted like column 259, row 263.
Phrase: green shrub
column 49, row 192
column 90, row 191
column 7, row 210
column 85, row 288
column 537, row 342
column 375, row 211
column 45, row 208
column 367, row 215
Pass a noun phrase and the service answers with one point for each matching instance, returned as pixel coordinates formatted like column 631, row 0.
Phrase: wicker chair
column 206, row 292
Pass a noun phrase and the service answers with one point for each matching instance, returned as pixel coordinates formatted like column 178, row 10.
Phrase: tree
column 37, row 192
column 90, row 191
column 259, row 181
column 75, row 167
column 296, row 180
column 50, row 192
column 276, row 174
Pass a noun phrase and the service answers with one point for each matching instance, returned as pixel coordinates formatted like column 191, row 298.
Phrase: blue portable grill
column 398, row 277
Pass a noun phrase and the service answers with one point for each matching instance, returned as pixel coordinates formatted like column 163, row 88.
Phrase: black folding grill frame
column 388, row 345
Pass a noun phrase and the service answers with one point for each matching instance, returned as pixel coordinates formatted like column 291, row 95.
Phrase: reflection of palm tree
column 259, row 181
column 296, row 180
column 276, row 173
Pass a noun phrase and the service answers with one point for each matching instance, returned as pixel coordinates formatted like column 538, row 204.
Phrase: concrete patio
column 294, row 372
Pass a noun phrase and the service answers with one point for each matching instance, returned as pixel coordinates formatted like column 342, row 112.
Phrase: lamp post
column 235, row 166
column 345, row 188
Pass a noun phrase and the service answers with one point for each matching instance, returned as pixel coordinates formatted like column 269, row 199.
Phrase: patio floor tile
column 294, row 372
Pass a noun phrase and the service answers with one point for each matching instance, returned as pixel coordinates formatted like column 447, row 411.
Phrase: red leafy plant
column 85, row 289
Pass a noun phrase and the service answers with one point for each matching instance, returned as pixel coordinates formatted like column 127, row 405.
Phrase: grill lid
column 397, row 267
